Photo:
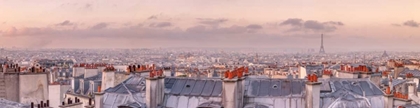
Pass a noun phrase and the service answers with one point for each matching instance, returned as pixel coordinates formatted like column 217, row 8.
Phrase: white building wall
column 56, row 94
column 108, row 79
column 33, row 88
column 90, row 72
column 77, row 71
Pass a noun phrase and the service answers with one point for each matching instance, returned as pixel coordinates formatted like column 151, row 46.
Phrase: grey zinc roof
column 133, row 105
column 273, row 87
column 11, row 104
column 415, row 72
column 210, row 105
column 396, row 82
column 96, row 77
column 355, row 86
column 133, row 84
column 194, row 87
column 113, row 100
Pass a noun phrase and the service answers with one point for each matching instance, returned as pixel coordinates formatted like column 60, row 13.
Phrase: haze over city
column 355, row 25
column 209, row 54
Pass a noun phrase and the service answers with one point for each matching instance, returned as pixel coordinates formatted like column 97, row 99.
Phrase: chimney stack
column 312, row 91
column 99, row 98
column 389, row 98
column 152, row 90
column 108, row 77
column 412, row 89
column 160, row 87
column 233, row 89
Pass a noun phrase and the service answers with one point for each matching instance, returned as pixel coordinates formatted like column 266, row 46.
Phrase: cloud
column 65, row 23
column 10, row 31
column 152, row 17
column 311, row 25
column 100, row 26
column 334, row 23
column 27, row 31
column 161, row 24
column 254, row 26
column 232, row 30
column 411, row 23
column 211, row 22
column 293, row 22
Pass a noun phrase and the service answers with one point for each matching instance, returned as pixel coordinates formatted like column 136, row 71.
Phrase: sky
column 353, row 25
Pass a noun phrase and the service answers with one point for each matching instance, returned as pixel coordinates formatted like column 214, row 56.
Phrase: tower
column 384, row 54
column 322, row 51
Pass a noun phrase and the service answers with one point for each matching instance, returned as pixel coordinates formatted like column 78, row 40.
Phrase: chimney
column 302, row 72
column 241, row 89
column 412, row 89
column 167, row 71
column 232, row 89
column 151, row 90
column 326, row 74
column 133, row 68
column 312, row 91
column 384, row 74
column 397, row 71
column 99, row 98
column 4, row 68
column 409, row 76
column 388, row 98
column 160, row 87
column 108, row 77
column 128, row 69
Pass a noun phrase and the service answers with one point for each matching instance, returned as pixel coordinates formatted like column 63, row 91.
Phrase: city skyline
column 346, row 25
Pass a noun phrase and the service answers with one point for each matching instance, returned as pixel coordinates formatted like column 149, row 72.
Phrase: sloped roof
column 11, row 104
column 133, row 105
column 210, row 105
column 194, row 87
column 356, row 86
column 133, row 84
column 350, row 101
column 416, row 73
column 113, row 100
column 396, row 82
column 257, row 87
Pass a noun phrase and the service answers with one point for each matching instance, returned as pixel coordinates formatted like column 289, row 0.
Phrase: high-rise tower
column 322, row 51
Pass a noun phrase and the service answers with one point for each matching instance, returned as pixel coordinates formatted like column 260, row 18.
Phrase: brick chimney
column 313, row 89
column 233, row 89
column 388, row 98
column 108, row 77
column 152, row 83
column 99, row 98
column 327, row 74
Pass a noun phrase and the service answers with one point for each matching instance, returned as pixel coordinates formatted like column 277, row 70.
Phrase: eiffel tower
column 322, row 51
